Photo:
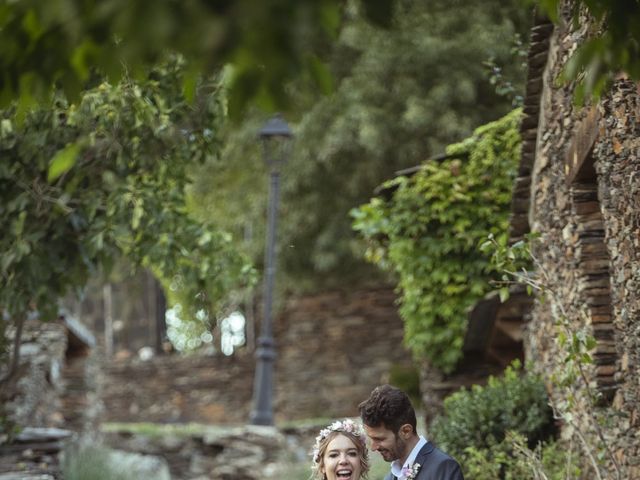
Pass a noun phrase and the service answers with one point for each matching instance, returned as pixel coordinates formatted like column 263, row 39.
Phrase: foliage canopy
column 66, row 41
column 402, row 94
column 481, row 416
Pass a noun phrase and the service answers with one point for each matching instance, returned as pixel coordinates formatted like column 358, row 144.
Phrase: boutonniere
column 410, row 471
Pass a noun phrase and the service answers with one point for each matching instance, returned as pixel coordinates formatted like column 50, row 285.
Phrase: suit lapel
column 423, row 454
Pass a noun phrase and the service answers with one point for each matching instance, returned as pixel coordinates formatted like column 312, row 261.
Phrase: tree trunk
column 15, row 356
column 107, row 304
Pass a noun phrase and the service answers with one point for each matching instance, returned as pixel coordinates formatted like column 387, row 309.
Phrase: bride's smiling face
column 341, row 460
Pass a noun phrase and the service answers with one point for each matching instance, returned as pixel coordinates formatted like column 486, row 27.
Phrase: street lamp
column 276, row 142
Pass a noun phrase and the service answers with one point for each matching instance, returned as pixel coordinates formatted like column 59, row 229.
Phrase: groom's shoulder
column 433, row 456
column 442, row 453
column 433, row 451
column 439, row 462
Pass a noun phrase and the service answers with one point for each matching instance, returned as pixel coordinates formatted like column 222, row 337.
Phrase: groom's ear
column 406, row 431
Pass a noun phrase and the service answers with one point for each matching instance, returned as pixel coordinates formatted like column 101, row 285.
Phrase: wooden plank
column 513, row 330
column 576, row 166
column 587, row 207
column 605, row 370
column 601, row 319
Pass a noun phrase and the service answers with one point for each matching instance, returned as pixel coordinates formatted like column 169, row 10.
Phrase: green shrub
column 558, row 462
column 481, row 416
column 504, row 430
column 511, row 459
column 483, row 463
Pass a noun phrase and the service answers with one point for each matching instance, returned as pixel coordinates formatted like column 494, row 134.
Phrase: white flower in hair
column 346, row 425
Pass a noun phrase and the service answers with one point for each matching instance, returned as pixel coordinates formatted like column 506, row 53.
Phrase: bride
column 340, row 452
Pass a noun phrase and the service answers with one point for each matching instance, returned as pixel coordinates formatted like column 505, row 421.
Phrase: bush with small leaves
column 504, row 430
column 481, row 416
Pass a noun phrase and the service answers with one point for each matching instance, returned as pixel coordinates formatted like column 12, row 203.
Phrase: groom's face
column 386, row 443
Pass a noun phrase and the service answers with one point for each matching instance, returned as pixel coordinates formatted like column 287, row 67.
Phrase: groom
column 390, row 422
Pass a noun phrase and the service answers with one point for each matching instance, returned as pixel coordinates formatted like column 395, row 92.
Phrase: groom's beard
column 395, row 452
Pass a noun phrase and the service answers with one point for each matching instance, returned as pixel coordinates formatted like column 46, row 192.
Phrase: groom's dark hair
column 388, row 407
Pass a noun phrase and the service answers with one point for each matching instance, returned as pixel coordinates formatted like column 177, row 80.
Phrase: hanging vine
column 428, row 233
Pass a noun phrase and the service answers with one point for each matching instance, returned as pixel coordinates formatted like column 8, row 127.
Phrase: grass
column 91, row 462
column 161, row 429
column 379, row 468
column 189, row 429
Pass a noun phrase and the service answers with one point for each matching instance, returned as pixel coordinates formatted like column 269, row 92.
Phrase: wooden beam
column 578, row 165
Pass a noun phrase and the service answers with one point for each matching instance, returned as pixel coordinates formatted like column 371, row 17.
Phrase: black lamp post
column 275, row 137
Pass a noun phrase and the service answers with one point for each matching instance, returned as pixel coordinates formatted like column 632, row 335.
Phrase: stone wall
column 33, row 398
column 619, row 170
column 586, row 203
column 223, row 453
column 170, row 388
column 332, row 349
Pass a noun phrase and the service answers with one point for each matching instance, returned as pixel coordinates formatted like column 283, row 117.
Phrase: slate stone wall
column 619, row 170
column 334, row 348
column 586, row 203
column 175, row 389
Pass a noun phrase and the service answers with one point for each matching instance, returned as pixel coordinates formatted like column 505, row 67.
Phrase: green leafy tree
column 427, row 233
column 82, row 185
column 137, row 209
column 401, row 95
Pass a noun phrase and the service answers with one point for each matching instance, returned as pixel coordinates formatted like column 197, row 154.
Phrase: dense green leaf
column 64, row 42
column 62, row 161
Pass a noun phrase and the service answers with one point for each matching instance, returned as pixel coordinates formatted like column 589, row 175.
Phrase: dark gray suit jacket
column 435, row 465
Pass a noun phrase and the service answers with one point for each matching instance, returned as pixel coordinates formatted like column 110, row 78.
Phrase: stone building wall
column 585, row 201
column 332, row 349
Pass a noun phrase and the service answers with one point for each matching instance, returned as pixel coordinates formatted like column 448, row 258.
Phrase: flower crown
column 346, row 425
